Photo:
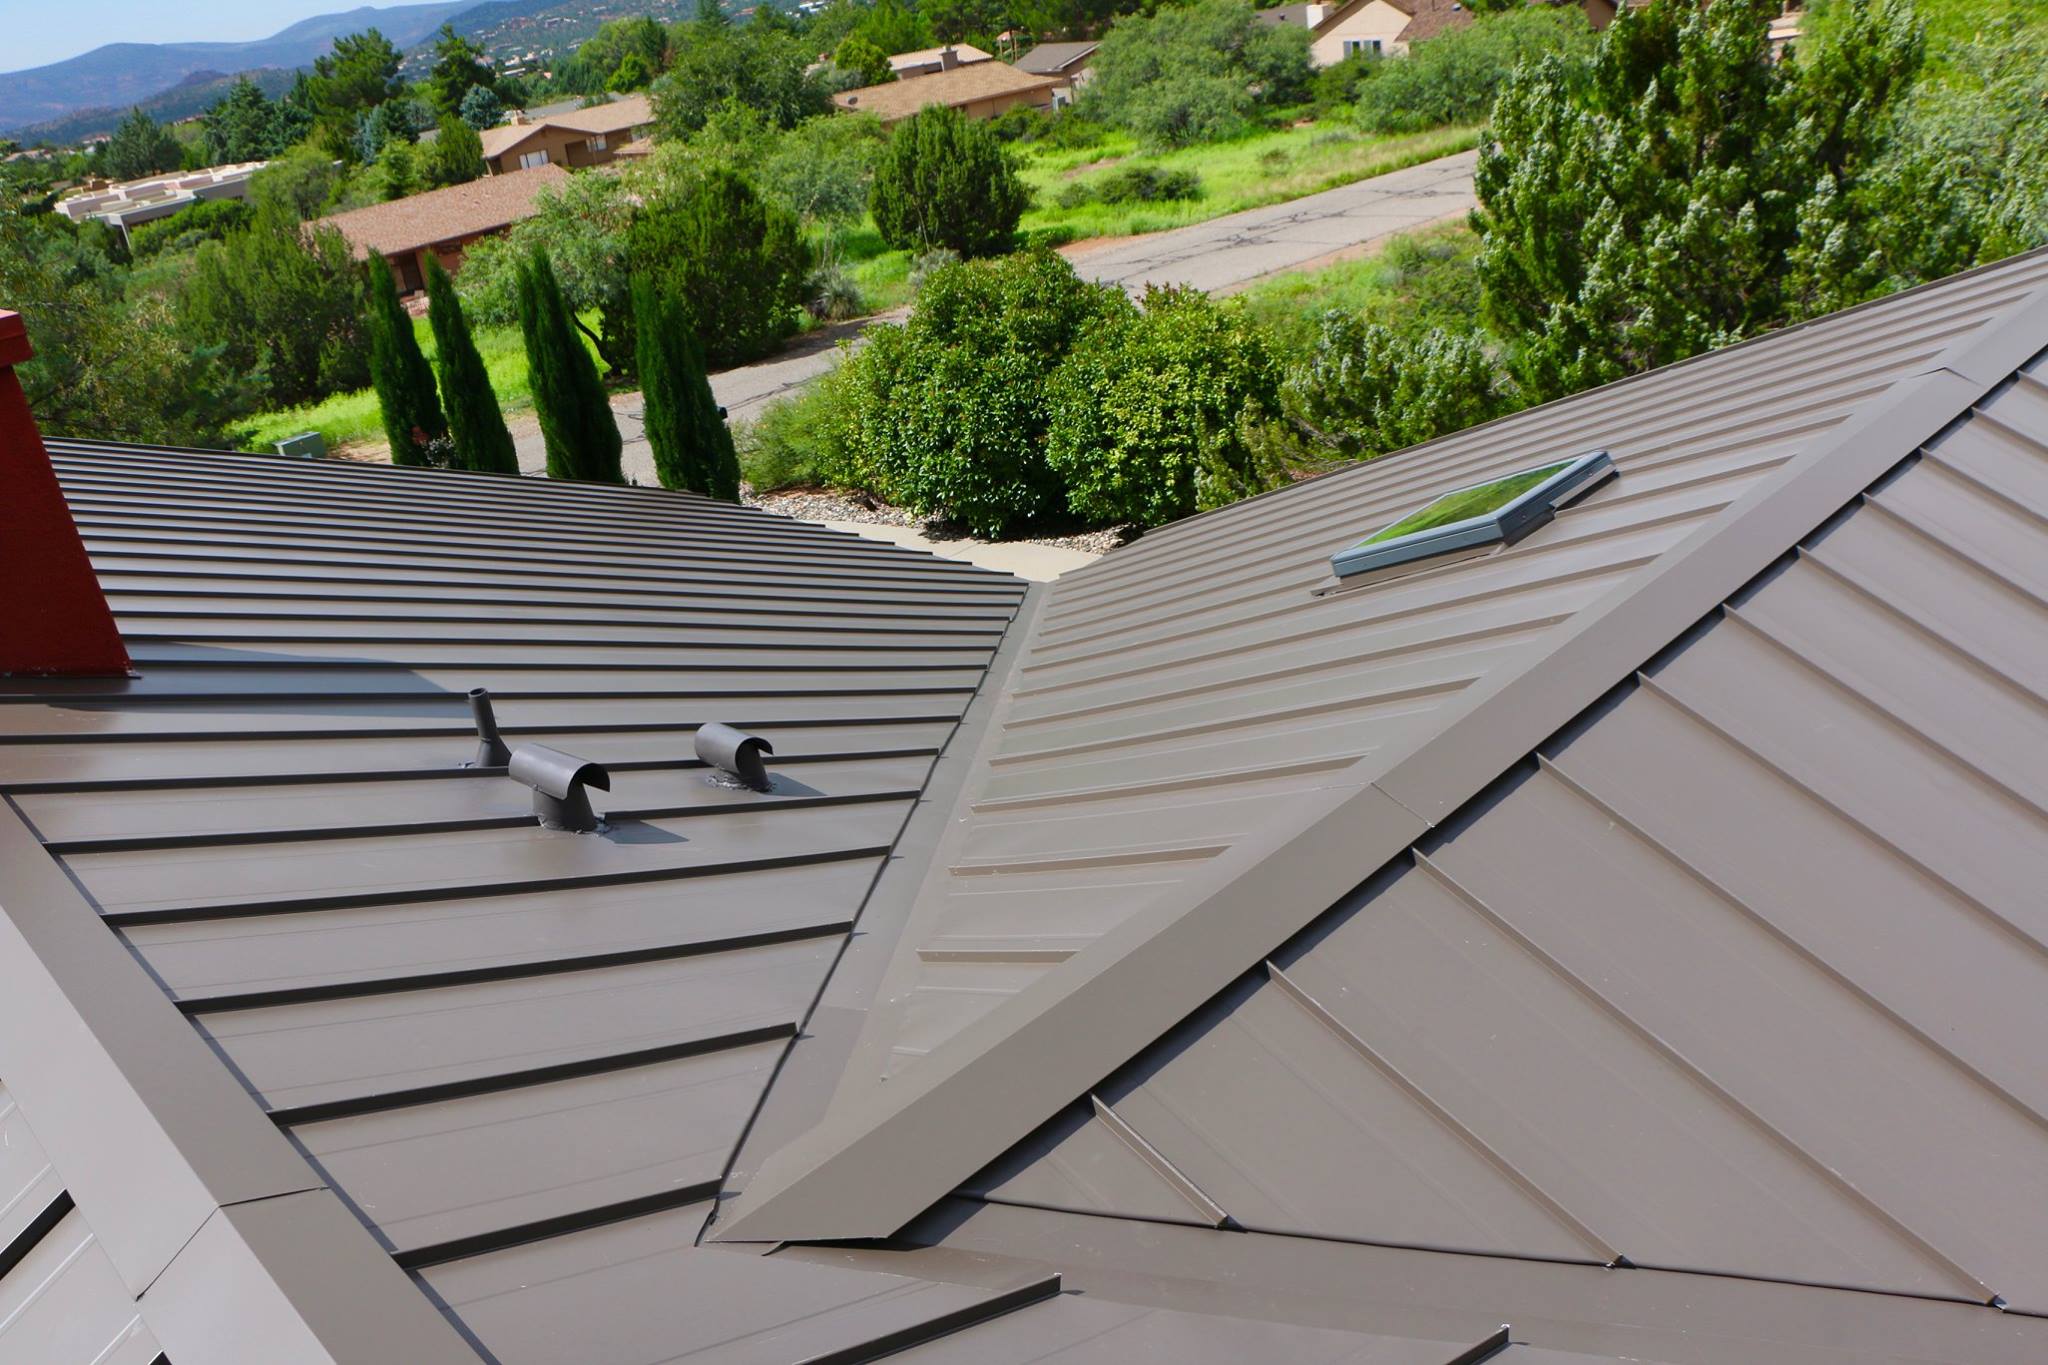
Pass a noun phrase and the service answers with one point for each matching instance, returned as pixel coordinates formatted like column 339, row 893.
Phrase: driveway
column 1221, row 255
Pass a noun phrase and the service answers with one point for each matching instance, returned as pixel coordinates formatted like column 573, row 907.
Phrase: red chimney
column 53, row 617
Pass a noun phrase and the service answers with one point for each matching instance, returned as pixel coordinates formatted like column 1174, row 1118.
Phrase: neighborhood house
column 443, row 221
column 575, row 138
column 980, row 91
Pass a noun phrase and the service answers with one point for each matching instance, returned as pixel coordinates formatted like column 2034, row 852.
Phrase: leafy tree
column 1657, row 200
column 397, row 120
column 948, row 413
column 1198, row 72
column 861, row 57
column 581, row 226
column 895, row 27
column 301, row 182
column 106, row 365
column 460, row 66
column 597, row 60
column 711, row 14
column 945, row 181
column 244, row 125
column 1366, row 389
column 475, row 424
column 400, row 374
column 1149, row 412
column 140, row 147
column 1454, row 77
column 692, row 445
column 738, row 261
column 756, row 66
column 575, row 417
column 482, row 107
column 281, row 304
column 630, row 74
column 456, row 155
column 823, row 170
column 360, row 73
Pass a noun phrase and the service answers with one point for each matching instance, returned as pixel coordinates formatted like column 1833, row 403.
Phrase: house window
column 596, row 143
column 1500, row 510
column 529, row 160
column 1354, row 46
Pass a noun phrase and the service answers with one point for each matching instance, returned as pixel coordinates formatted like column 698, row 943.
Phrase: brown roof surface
column 1053, row 59
column 1629, row 936
column 964, row 53
column 1433, row 17
column 962, row 85
column 485, row 204
column 615, row 116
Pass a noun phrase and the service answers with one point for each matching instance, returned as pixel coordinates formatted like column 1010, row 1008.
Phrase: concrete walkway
column 1035, row 563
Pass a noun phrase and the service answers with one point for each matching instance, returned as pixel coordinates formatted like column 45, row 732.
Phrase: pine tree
column 482, row 441
column 404, row 381
column 575, row 418
column 692, row 445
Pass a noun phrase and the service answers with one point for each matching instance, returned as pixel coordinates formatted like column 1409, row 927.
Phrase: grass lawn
column 1420, row 279
column 350, row 418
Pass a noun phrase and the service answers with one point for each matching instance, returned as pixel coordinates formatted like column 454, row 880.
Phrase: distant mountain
column 195, row 94
column 119, row 75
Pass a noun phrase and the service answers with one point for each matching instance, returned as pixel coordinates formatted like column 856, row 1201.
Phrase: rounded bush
column 945, row 181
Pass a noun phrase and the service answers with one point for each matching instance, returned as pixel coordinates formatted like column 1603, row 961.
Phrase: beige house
column 980, row 91
column 575, row 138
column 443, row 221
column 1067, row 62
column 1389, row 27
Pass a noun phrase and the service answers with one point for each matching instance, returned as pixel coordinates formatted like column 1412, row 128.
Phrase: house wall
column 1376, row 22
column 409, row 268
column 565, row 147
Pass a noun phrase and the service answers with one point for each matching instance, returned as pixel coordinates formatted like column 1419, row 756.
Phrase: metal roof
column 1623, row 936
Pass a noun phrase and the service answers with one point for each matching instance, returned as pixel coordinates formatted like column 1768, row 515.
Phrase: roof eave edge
column 870, row 1170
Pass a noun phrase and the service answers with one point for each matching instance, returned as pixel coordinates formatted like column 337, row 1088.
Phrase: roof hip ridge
column 892, row 1151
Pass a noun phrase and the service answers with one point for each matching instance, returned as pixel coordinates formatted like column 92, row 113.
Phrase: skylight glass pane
column 1466, row 503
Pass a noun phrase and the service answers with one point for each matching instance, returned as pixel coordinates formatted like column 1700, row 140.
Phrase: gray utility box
column 310, row 445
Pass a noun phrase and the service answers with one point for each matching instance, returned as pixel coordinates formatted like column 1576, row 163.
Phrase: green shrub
column 738, row 261
column 209, row 220
column 823, row 170
column 280, row 303
column 404, row 381
column 1366, row 389
column 948, row 413
column 798, row 441
column 1133, row 185
column 1199, row 72
column 1335, row 89
column 1150, row 412
column 1454, row 76
column 945, row 181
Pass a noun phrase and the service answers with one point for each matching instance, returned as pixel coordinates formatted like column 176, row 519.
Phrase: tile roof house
column 443, row 221
column 572, row 138
column 980, row 91
column 1617, row 944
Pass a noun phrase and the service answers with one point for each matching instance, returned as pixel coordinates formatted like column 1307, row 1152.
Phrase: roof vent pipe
column 558, row 781
column 490, row 746
column 735, row 754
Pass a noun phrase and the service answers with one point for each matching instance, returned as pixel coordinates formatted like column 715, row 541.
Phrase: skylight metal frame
column 1506, row 524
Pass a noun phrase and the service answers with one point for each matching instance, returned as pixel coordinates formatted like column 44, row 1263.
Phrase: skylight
column 1503, row 509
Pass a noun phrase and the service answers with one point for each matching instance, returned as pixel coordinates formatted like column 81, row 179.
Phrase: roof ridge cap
column 895, row 1150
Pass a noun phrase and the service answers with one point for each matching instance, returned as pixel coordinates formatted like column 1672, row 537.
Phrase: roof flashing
column 1500, row 510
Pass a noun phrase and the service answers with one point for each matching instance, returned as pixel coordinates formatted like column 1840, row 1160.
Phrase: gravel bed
column 817, row 504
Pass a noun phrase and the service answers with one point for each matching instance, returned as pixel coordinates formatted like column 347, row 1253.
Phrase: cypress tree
column 404, row 382
column 575, row 418
column 692, row 445
column 482, row 441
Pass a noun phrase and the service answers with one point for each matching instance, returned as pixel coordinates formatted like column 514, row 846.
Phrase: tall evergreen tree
column 575, row 418
column 692, row 445
column 404, row 382
column 475, row 423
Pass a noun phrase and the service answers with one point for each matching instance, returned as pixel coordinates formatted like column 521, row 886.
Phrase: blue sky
column 38, row 32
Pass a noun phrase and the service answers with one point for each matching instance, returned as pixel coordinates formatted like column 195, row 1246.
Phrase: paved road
column 1220, row 255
